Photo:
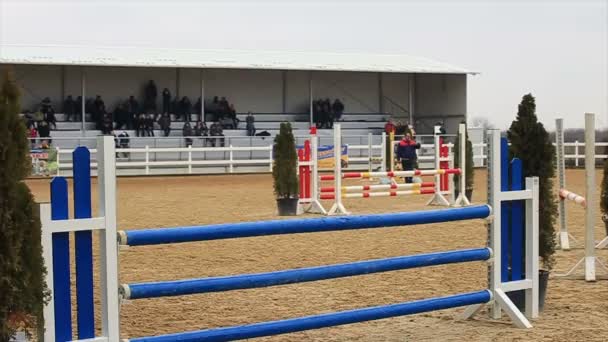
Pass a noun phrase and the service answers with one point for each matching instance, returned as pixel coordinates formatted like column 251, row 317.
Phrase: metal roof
column 221, row 59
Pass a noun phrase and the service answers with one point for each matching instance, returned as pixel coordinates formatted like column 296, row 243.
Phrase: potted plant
column 23, row 291
column 604, row 197
column 530, row 142
column 284, row 171
column 468, row 167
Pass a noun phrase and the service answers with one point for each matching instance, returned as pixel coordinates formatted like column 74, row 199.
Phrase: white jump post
column 462, row 199
column 337, row 207
column 564, row 236
column 589, row 260
column 315, row 206
column 438, row 198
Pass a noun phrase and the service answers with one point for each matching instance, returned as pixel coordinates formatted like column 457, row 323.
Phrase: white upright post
column 561, row 175
column 370, row 154
column 47, row 253
column 462, row 199
column 383, row 152
column 494, row 226
column 315, row 205
column 338, row 207
column 532, row 265
column 108, row 248
column 589, row 196
column 438, row 198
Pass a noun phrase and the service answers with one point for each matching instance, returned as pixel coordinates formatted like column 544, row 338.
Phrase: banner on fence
column 326, row 157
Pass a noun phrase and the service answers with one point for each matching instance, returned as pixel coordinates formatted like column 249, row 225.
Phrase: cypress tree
column 604, row 195
column 469, row 167
column 530, row 142
column 23, row 291
column 285, row 163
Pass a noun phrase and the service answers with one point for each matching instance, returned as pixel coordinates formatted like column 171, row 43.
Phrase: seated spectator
column 122, row 116
column 165, row 124
column 250, row 121
column 140, row 125
column 201, row 130
column 232, row 116
column 106, row 124
column 216, row 131
column 187, row 133
column 69, row 108
column 123, row 142
column 338, row 109
column 149, row 125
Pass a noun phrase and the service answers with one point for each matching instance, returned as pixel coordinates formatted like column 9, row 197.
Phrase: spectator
column 224, row 108
column 250, row 121
column 44, row 131
column 406, row 153
column 439, row 129
column 232, row 116
column 316, row 113
column 149, row 125
column 150, row 98
column 216, row 131
column 389, row 127
column 338, row 109
column 69, row 108
column 99, row 109
column 45, row 105
column 187, row 133
column 50, row 118
column 121, row 115
column 78, row 111
column 133, row 110
column 140, row 125
column 123, row 142
column 106, row 125
column 214, row 108
column 185, row 108
column 327, row 114
column 165, row 124
column 197, row 108
column 38, row 118
column 201, row 130
column 166, row 101
column 175, row 108
column 33, row 134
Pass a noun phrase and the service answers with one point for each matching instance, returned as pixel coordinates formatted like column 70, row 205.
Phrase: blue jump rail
column 249, row 281
column 157, row 236
column 324, row 320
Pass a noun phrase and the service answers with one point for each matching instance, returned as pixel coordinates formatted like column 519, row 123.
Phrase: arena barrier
column 589, row 261
column 510, row 247
column 443, row 183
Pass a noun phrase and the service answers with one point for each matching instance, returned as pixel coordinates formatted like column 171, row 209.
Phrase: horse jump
column 589, row 260
column 499, row 254
column 311, row 192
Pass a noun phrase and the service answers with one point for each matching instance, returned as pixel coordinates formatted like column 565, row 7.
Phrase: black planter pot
column 287, row 206
column 519, row 297
column 469, row 194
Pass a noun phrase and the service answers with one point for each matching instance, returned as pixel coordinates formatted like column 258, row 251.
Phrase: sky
column 556, row 50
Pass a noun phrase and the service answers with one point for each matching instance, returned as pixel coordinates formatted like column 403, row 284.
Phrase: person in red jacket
column 406, row 153
column 389, row 127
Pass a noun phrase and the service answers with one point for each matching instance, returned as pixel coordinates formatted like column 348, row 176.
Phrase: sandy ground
column 575, row 310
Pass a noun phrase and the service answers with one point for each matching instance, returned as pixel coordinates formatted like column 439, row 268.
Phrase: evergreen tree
column 469, row 167
column 22, row 287
column 604, row 193
column 285, row 163
column 530, row 142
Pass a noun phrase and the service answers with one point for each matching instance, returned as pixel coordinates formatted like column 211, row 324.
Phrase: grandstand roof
column 221, row 59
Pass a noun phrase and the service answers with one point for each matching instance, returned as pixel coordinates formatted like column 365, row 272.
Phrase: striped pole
column 411, row 173
column 356, row 188
column 423, row 191
column 571, row 196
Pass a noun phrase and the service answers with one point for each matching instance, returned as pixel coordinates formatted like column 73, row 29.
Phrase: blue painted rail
column 324, row 320
column 249, row 281
column 157, row 236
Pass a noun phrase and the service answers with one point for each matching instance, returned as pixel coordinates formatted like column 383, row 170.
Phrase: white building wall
column 358, row 91
column 395, row 90
column 297, row 92
column 36, row 83
column 439, row 98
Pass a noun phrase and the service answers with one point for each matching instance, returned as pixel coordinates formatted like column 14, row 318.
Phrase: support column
column 411, row 94
column 310, row 96
column 202, row 78
column 284, row 92
column 564, row 242
column 177, row 82
column 62, row 88
column 83, row 93
column 380, row 94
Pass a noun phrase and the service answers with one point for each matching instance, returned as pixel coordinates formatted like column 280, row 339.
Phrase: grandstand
column 274, row 86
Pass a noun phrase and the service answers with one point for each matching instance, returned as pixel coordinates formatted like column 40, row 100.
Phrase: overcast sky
column 558, row 50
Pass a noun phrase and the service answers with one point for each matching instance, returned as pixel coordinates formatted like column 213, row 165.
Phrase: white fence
column 364, row 153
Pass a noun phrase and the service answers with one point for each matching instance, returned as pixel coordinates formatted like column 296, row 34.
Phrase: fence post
column 147, row 160
column 58, row 164
column 383, row 151
column 576, row 153
column 190, row 159
column 231, row 169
